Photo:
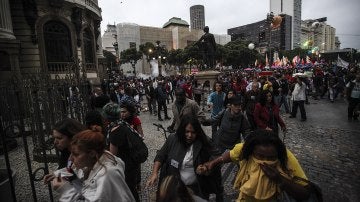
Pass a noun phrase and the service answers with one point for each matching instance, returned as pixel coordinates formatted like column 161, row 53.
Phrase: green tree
column 130, row 54
column 175, row 57
column 237, row 54
column 110, row 58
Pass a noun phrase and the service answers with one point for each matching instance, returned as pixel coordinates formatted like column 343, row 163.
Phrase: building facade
column 293, row 9
column 175, row 34
column 316, row 33
column 263, row 36
column 197, row 17
column 46, row 36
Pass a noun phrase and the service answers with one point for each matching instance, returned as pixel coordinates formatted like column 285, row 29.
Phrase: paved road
column 326, row 146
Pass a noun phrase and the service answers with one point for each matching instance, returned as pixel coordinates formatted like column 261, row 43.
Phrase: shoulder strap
column 129, row 126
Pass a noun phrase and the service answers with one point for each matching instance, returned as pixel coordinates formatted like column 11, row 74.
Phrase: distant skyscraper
column 292, row 8
column 197, row 17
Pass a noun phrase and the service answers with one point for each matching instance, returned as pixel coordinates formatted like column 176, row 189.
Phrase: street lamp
column 269, row 20
column 158, row 52
column 116, row 47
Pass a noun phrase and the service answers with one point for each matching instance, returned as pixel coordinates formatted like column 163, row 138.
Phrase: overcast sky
column 221, row 15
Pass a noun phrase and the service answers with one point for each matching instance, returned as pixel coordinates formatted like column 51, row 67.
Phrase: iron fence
column 29, row 108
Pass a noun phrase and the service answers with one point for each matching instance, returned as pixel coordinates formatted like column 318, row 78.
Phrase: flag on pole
column 296, row 60
column 342, row 63
column 266, row 60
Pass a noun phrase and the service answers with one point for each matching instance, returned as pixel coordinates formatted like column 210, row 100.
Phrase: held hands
column 204, row 169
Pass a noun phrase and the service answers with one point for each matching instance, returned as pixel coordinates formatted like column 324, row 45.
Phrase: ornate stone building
column 50, row 36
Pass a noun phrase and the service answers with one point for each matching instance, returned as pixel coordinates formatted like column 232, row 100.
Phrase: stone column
column 6, row 29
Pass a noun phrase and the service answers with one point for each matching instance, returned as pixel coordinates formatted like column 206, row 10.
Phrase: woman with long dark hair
column 63, row 133
column 182, row 153
column 267, row 113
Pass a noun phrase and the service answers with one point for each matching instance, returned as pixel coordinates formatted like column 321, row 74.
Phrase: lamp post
column 269, row 19
column 158, row 53
column 133, row 63
column 116, row 47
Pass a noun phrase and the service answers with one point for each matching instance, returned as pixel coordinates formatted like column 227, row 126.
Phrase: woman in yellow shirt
column 267, row 169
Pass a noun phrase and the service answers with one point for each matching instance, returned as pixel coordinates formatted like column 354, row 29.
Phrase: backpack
column 138, row 150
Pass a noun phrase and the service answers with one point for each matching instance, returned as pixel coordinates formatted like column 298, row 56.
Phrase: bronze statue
column 207, row 44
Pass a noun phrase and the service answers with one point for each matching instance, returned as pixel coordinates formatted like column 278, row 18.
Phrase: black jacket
column 173, row 152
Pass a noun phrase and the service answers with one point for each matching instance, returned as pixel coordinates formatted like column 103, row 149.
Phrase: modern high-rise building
column 316, row 33
column 263, row 36
column 292, row 8
column 197, row 17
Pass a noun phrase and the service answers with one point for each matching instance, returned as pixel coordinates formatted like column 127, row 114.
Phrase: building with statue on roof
column 174, row 34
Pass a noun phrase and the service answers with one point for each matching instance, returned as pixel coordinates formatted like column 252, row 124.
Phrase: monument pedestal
column 209, row 75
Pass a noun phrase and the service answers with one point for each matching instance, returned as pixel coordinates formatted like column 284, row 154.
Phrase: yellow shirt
column 292, row 164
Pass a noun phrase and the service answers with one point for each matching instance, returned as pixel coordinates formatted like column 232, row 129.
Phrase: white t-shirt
column 187, row 172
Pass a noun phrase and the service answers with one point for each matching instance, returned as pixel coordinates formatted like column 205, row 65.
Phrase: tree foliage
column 130, row 54
column 110, row 58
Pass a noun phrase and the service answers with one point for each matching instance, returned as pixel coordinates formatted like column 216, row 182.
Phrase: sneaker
column 303, row 120
column 291, row 116
column 160, row 119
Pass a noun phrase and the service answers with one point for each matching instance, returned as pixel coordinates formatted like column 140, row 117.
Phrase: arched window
column 57, row 46
column 88, row 49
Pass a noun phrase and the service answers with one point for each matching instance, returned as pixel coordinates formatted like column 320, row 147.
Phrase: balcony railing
column 59, row 67
column 68, row 67
column 91, row 5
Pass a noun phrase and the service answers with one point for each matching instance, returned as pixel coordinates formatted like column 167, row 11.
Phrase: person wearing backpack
column 125, row 143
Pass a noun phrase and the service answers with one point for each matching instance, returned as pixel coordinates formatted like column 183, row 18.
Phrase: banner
column 342, row 63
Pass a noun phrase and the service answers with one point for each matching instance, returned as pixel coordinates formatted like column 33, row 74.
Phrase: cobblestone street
column 326, row 146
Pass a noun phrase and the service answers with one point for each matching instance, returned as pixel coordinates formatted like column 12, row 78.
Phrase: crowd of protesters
column 245, row 115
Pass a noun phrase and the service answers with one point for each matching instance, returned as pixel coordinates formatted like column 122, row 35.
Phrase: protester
column 266, row 169
column 182, row 153
column 94, row 121
column 63, row 133
column 128, row 114
column 118, row 145
column 251, row 98
column 232, row 125
column 98, row 99
column 231, row 93
column 267, row 113
column 100, row 173
column 298, row 97
column 216, row 102
column 161, row 100
column 151, row 97
column 183, row 106
column 353, row 96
